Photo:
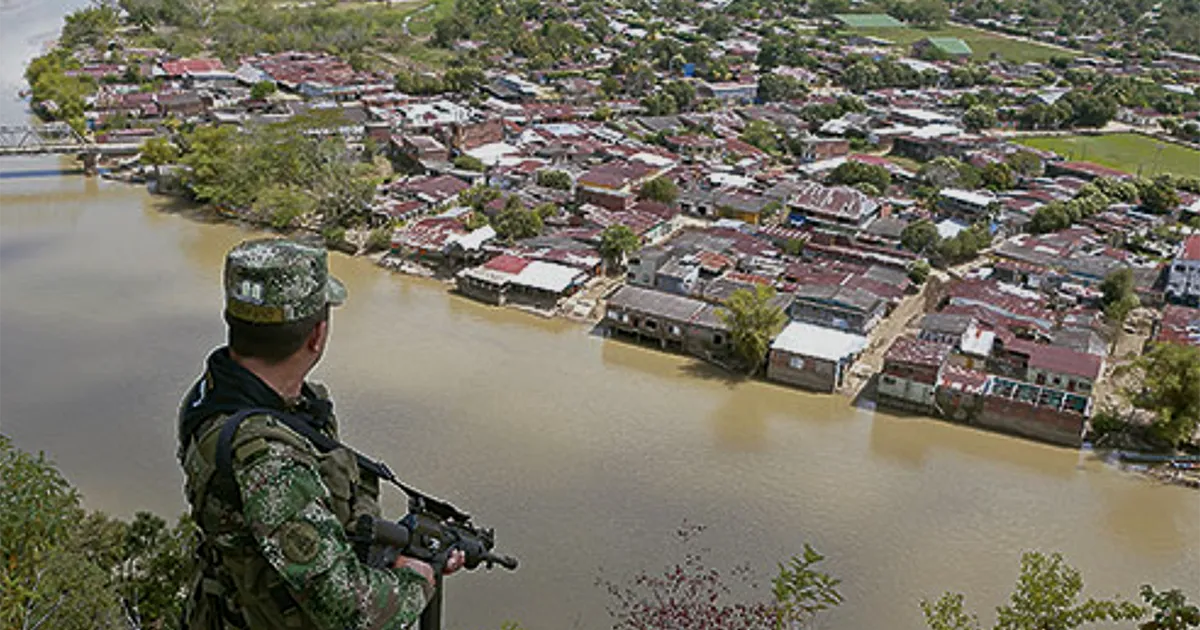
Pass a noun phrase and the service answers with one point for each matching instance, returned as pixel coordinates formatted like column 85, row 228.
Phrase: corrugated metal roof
column 817, row 341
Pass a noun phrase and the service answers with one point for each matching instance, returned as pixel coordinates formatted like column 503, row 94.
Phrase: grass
column 982, row 43
column 424, row 17
column 1132, row 153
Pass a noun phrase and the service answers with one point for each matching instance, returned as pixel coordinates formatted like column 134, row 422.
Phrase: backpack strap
column 224, row 481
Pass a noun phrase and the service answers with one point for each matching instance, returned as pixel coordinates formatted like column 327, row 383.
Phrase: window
column 887, row 380
column 675, row 330
column 797, row 363
column 718, row 339
column 1041, row 379
column 651, row 324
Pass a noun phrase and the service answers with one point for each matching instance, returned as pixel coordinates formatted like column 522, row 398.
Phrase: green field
column 1132, row 153
column 982, row 43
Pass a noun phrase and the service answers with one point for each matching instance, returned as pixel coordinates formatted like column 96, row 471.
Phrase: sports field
column 1129, row 152
column 982, row 43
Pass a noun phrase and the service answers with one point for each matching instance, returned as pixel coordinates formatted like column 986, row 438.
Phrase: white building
column 1183, row 280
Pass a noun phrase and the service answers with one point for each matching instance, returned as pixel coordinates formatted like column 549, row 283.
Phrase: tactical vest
column 234, row 587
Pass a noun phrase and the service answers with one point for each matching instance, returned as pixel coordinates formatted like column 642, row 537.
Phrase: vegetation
column 1131, row 153
column 516, row 222
column 852, row 173
column 286, row 172
column 919, row 236
column 979, row 117
column 753, row 322
column 469, row 163
column 616, row 242
column 66, row 568
column 693, row 596
column 1046, row 597
column 1118, row 298
column 158, row 151
column 1169, row 388
column 560, row 180
column 659, row 189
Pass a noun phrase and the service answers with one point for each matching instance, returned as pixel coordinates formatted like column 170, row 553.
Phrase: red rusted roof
column 915, row 351
column 507, row 264
column 1191, row 248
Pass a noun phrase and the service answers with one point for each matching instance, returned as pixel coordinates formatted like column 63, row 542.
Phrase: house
column 513, row 279
column 839, row 208
column 813, row 357
column 427, row 238
column 1179, row 324
column 613, row 185
column 1056, row 366
column 1034, row 411
column 727, row 203
column 1183, row 279
column 911, row 369
column 729, row 92
column 838, row 307
column 418, row 148
column 942, row 47
column 674, row 321
column 971, row 205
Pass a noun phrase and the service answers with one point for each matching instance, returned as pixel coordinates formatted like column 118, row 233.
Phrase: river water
column 584, row 453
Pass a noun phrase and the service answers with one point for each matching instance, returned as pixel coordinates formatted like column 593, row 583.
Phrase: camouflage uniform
column 282, row 558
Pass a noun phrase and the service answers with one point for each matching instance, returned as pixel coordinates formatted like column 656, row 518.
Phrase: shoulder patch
column 299, row 541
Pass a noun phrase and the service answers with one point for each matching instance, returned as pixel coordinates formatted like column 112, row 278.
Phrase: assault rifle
column 432, row 529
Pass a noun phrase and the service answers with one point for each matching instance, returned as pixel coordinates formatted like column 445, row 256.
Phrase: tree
column 514, row 223
column 919, row 272
column 560, row 180
column 1046, row 597
column 1158, row 197
column 262, row 90
column 683, row 94
column 469, row 163
column 616, row 242
column 694, row 596
column 281, row 206
column 851, row 173
column 919, row 236
column 998, row 176
column 1025, row 163
column 761, row 134
column 1170, row 388
column 753, row 322
column 158, row 151
column 862, row 76
column 65, row 568
column 927, row 13
column 1118, row 298
column 980, row 117
column 659, row 189
column 777, row 87
column 1169, row 610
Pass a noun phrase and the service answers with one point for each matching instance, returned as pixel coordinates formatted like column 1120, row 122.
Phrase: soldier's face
column 316, row 342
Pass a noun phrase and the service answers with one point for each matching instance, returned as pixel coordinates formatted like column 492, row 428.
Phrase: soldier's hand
column 423, row 568
column 455, row 562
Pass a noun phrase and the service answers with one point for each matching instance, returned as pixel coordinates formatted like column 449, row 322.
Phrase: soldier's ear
column 318, row 337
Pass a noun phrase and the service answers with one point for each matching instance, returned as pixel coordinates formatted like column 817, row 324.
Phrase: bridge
column 58, row 139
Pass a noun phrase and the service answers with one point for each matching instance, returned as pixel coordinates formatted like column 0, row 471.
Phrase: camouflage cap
column 276, row 281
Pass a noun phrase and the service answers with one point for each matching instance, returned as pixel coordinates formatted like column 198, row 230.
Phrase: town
column 973, row 216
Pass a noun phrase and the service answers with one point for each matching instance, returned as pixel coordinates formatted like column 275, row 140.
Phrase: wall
column 1064, row 382
column 815, row 374
column 905, row 390
column 1040, row 423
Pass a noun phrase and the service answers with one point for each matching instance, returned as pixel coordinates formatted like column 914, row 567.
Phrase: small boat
column 1154, row 458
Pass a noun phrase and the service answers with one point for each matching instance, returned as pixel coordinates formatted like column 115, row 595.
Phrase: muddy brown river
column 585, row 453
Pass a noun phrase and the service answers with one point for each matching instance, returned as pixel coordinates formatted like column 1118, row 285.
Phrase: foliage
column 560, row 180
column 919, row 272
column 1046, row 597
column 1158, row 197
column 777, row 87
column 761, row 134
column 1170, row 388
column 617, row 241
column 851, row 173
column 964, row 246
column 1025, row 163
column 515, row 223
column 469, row 163
column 949, row 172
column 1169, row 610
column 262, row 90
column 919, row 236
column 659, row 189
column 478, row 196
column 90, row 26
column 233, row 169
column 980, row 117
column 158, row 151
column 281, row 206
column 1118, row 298
column 694, row 596
column 63, row 568
column 998, row 176
column 753, row 322
column 379, row 239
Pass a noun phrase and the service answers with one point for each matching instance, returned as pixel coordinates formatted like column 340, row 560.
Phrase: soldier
column 276, row 548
